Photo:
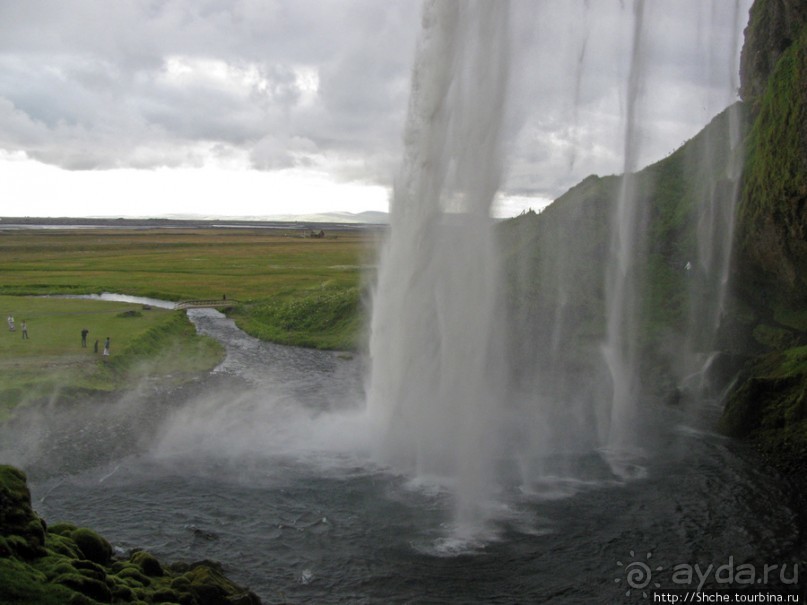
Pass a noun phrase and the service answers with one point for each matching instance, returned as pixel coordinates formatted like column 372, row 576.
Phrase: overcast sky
column 277, row 107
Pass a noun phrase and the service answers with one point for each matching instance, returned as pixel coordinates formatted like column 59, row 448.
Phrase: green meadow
column 279, row 286
column 157, row 344
column 175, row 264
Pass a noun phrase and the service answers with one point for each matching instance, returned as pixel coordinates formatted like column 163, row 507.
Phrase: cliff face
column 772, row 218
column 772, row 27
column 769, row 403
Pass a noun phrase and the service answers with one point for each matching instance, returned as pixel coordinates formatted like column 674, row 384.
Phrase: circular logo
column 637, row 574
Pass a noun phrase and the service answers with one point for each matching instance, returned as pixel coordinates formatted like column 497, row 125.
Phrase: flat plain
column 280, row 285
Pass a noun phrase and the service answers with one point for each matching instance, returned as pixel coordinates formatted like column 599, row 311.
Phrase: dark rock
column 772, row 27
column 23, row 530
column 95, row 589
column 93, row 547
column 148, row 564
column 69, row 564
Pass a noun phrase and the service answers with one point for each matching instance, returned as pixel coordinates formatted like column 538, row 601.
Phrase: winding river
column 263, row 465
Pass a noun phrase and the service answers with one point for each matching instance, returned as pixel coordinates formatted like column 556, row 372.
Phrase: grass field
column 282, row 287
column 288, row 286
column 157, row 343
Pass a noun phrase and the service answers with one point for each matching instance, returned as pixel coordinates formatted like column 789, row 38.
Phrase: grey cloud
column 277, row 152
column 85, row 84
column 100, row 69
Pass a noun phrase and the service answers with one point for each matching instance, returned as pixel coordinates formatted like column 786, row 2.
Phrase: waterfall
column 479, row 392
column 623, row 310
column 437, row 358
column 712, row 174
column 718, row 187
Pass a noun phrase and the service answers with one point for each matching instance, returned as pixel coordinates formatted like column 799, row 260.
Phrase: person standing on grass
column 106, row 347
column 95, row 349
column 84, row 333
column 10, row 323
column 24, row 327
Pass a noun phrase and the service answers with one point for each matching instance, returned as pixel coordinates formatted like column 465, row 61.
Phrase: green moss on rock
column 148, row 564
column 772, row 27
column 772, row 217
column 89, row 587
column 62, row 545
column 208, row 585
column 92, row 546
column 22, row 584
column 23, row 530
column 769, row 407
column 768, row 404
column 774, row 337
column 62, row 529
column 73, row 565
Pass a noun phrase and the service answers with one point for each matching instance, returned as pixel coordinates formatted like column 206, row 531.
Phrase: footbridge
column 210, row 303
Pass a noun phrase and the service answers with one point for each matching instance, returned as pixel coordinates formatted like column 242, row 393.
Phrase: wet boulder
column 22, row 532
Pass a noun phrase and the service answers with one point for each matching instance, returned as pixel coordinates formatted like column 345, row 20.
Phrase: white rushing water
column 442, row 401
column 714, row 190
column 622, row 273
column 437, row 364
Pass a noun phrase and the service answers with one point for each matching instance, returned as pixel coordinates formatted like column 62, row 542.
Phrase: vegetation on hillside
column 773, row 210
column 768, row 404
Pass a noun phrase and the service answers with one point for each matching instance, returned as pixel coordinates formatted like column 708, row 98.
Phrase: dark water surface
column 263, row 466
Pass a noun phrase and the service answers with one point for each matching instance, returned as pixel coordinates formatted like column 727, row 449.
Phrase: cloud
column 279, row 84
column 101, row 82
column 570, row 85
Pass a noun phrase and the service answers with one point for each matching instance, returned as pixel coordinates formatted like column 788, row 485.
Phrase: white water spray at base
column 437, row 375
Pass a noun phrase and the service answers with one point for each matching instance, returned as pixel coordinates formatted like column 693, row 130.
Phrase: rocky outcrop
column 65, row 564
column 773, row 25
column 772, row 214
column 768, row 405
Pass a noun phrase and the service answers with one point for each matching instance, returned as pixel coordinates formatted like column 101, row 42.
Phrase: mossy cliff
column 769, row 403
column 772, row 214
column 65, row 564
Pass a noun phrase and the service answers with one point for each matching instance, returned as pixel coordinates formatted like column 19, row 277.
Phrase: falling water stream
column 621, row 297
column 437, row 375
